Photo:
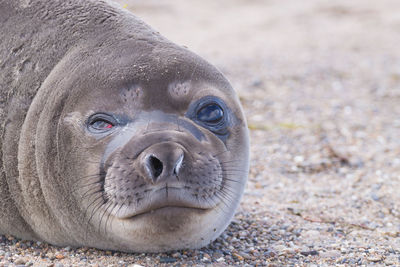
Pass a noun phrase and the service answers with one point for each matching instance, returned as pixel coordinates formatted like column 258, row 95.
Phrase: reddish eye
column 101, row 125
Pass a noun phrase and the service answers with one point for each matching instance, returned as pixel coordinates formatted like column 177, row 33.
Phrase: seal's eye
column 211, row 113
column 100, row 123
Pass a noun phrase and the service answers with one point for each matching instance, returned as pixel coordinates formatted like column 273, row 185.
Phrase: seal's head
column 151, row 147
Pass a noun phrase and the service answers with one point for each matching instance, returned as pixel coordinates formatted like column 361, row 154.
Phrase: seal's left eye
column 211, row 113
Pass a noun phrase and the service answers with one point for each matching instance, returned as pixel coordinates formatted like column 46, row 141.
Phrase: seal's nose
column 162, row 161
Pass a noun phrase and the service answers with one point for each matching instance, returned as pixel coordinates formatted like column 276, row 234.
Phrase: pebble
column 310, row 253
column 20, row 261
column 167, row 260
column 374, row 258
column 60, row 256
column 239, row 257
column 332, row 254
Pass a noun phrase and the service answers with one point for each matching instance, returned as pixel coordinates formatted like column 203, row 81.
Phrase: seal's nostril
column 155, row 166
column 178, row 164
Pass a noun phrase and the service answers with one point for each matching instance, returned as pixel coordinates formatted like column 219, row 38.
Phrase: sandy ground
column 320, row 85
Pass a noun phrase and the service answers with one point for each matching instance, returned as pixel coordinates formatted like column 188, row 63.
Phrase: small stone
column 20, row 261
column 310, row 234
column 60, row 256
column 279, row 248
column 374, row 258
column 221, row 259
column 332, row 254
column 167, row 260
column 176, row 255
column 237, row 256
column 217, row 255
column 391, row 260
column 309, row 253
column 245, row 255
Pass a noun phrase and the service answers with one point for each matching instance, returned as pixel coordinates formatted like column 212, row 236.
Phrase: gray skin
column 103, row 141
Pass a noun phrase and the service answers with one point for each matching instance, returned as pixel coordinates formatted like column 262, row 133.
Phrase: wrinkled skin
column 111, row 136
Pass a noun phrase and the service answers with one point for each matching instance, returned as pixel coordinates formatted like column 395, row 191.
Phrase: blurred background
column 320, row 85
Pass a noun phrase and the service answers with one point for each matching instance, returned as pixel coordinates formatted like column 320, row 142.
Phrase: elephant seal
column 112, row 136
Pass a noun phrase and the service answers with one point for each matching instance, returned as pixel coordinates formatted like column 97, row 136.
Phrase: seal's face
column 160, row 159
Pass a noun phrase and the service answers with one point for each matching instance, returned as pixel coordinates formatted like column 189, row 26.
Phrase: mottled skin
column 61, row 62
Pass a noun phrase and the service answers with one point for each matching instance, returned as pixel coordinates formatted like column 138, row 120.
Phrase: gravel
column 320, row 85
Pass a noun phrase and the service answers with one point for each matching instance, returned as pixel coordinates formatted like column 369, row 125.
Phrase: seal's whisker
column 228, row 190
column 89, row 176
column 98, row 162
column 99, row 199
column 95, row 210
column 105, row 210
column 78, row 186
column 222, row 199
column 108, row 217
column 83, row 180
column 88, row 193
column 234, row 181
column 233, row 170
column 211, row 202
column 230, row 162
column 221, row 153
column 226, row 196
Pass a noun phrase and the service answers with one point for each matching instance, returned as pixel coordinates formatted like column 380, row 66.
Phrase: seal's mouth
column 162, row 209
column 164, row 198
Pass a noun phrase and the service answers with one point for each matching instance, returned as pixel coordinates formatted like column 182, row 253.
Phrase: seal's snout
column 162, row 161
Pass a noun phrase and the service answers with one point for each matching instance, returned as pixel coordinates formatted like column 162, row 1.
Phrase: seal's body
column 110, row 135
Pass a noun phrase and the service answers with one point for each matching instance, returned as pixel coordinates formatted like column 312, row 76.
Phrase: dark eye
column 100, row 123
column 211, row 113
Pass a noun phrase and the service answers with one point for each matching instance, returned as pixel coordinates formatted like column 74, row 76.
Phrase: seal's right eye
column 100, row 123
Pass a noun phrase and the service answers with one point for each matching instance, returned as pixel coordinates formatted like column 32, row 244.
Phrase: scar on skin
column 131, row 94
column 179, row 89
